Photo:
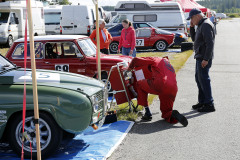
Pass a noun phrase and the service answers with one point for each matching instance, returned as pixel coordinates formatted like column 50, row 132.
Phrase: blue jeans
column 126, row 51
column 203, row 82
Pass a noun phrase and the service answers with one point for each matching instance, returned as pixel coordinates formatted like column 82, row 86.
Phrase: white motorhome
column 165, row 15
column 78, row 19
column 52, row 15
column 12, row 20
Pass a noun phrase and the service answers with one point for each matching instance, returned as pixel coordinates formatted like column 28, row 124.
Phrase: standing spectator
column 204, row 39
column 127, row 39
column 105, row 37
column 213, row 19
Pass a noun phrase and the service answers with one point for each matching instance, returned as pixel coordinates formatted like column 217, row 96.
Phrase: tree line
column 222, row 6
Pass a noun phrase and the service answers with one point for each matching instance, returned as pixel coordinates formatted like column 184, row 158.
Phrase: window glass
column 4, row 17
column 120, row 18
column 139, row 18
column 141, row 25
column 140, row 5
column 70, row 50
column 19, row 51
column 12, row 18
column 129, row 5
column 52, row 18
column 151, row 18
column 144, row 33
column 52, row 50
column 88, row 48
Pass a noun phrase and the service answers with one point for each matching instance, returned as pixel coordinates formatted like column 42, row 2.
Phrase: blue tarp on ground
column 90, row 145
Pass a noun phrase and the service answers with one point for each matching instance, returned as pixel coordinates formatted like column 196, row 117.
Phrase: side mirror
column 16, row 20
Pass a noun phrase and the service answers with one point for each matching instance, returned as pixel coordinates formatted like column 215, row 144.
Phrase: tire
column 9, row 41
column 35, row 34
column 50, row 135
column 109, row 86
column 186, row 46
column 161, row 45
column 113, row 47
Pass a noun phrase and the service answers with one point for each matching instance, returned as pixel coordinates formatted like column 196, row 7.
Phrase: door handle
column 75, row 26
column 47, row 63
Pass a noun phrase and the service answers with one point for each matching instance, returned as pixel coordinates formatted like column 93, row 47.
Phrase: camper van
column 165, row 15
column 12, row 20
column 52, row 15
column 78, row 19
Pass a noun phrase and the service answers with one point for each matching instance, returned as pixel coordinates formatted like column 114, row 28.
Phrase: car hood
column 116, row 57
column 54, row 79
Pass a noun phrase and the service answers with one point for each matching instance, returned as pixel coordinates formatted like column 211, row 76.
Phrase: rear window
column 52, row 18
column 19, row 51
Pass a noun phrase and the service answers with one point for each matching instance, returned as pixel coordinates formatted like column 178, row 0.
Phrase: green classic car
column 68, row 104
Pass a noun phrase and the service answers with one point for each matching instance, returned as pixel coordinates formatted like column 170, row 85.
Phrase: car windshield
column 87, row 46
column 4, row 17
column 5, row 64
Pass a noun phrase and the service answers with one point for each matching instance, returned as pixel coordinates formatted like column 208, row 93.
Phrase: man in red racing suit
column 162, row 83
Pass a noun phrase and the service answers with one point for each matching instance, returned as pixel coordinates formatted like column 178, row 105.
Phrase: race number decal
column 139, row 42
column 41, row 77
column 62, row 67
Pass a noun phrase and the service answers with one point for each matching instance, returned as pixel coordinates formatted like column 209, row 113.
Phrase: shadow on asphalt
column 148, row 127
column 152, row 127
column 193, row 114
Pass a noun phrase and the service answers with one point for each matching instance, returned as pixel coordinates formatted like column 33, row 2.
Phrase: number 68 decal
column 62, row 67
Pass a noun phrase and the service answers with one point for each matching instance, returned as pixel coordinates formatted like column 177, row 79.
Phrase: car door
column 17, row 56
column 116, row 30
column 13, row 26
column 143, row 36
column 64, row 56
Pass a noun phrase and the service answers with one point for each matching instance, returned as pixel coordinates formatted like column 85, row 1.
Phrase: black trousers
column 105, row 51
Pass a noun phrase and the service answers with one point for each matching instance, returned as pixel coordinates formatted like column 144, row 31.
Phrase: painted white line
column 120, row 141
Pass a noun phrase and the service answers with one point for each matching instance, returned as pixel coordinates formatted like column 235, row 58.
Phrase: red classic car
column 69, row 53
column 148, row 38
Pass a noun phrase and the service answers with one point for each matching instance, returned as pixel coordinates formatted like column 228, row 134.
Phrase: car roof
column 54, row 37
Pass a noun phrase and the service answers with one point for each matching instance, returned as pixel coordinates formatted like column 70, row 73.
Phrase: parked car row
column 147, row 36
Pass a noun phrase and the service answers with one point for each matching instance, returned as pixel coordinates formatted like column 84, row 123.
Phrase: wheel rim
column 29, row 129
column 161, row 46
column 114, row 47
column 10, row 40
column 109, row 86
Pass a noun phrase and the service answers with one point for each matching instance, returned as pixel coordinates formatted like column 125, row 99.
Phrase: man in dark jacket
column 204, row 38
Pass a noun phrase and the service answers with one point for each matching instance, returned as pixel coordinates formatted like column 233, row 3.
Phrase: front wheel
column 113, row 47
column 9, row 41
column 104, row 80
column 50, row 135
column 161, row 45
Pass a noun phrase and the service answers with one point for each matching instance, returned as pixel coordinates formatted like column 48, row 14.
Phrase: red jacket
column 102, row 43
column 161, row 69
column 128, row 38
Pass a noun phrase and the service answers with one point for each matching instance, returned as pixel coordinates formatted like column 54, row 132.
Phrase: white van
column 78, row 19
column 12, row 20
column 52, row 15
column 165, row 15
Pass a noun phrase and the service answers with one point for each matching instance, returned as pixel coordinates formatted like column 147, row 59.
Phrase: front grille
column 100, row 99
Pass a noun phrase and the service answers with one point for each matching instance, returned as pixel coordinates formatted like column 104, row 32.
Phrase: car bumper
column 3, row 40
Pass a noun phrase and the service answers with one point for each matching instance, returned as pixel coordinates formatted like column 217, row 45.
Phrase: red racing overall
column 163, row 83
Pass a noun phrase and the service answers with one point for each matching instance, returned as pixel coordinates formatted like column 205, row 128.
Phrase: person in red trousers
column 162, row 83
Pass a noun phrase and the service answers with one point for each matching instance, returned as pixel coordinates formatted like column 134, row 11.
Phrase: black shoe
column 147, row 117
column 197, row 106
column 180, row 118
column 207, row 108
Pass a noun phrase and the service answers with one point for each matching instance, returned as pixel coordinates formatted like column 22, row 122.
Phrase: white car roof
column 54, row 37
